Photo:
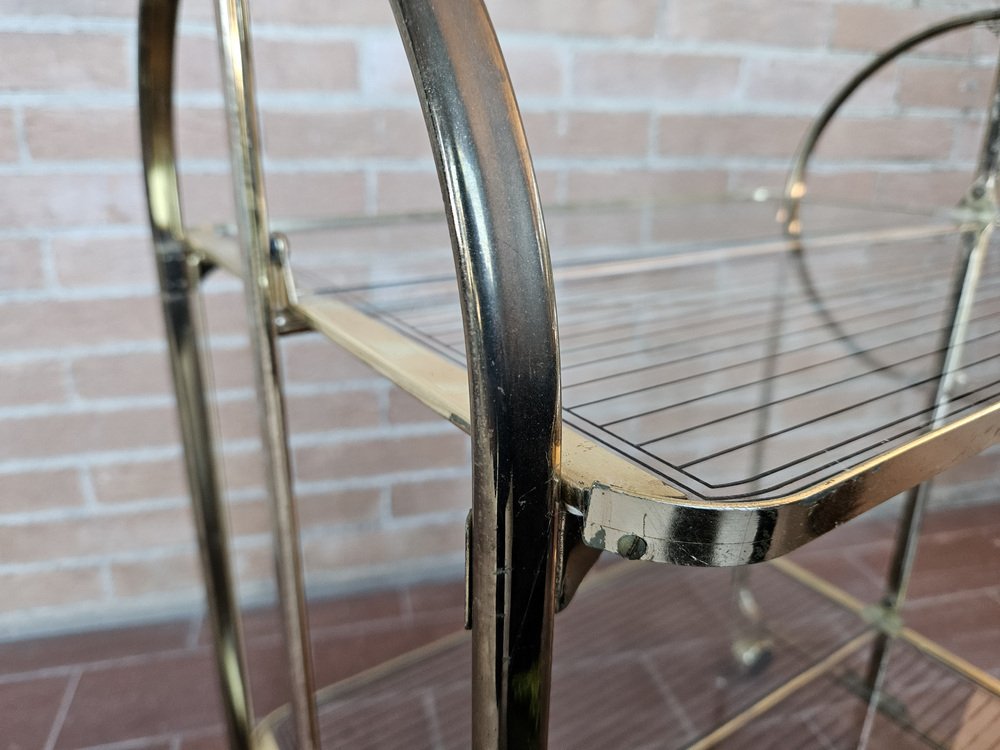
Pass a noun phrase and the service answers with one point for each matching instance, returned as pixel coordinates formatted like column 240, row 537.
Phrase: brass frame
column 568, row 491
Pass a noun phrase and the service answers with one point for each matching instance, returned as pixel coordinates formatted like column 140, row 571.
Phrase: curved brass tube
column 179, row 274
column 795, row 185
column 508, row 307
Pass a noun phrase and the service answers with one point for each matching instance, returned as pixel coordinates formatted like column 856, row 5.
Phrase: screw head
column 631, row 547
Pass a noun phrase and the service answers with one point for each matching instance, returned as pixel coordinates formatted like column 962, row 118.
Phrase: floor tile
column 95, row 646
column 147, row 688
column 28, row 709
column 150, row 698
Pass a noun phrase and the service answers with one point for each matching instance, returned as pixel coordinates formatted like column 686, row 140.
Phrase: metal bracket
column 574, row 558
column 284, row 295
column 978, row 205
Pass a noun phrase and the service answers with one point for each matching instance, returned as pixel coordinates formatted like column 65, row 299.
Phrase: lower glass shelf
column 626, row 650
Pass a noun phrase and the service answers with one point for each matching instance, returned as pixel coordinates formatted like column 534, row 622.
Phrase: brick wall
column 662, row 96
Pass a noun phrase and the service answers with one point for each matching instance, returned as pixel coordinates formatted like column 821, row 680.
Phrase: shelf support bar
column 260, row 281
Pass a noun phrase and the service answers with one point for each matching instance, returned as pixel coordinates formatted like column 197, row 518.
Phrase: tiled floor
column 153, row 687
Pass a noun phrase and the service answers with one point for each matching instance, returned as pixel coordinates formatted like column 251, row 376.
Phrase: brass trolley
column 700, row 404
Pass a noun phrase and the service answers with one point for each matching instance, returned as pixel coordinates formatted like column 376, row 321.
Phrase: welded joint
column 883, row 617
column 979, row 205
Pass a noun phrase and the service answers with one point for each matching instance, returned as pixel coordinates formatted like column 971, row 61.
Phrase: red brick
column 952, row 87
column 591, row 17
column 549, row 185
column 306, row 65
column 316, row 195
column 377, row 133
column 735, row 135
column 96, row 536
column 196, row 64
column 201, row 134
column 75, row 323
column 756, row 21
column 938, row 189
column 279, row 66
column 145, row 480
column 405, row 409
column 535, row 70
column 386, row 69
column 337, row 508
column 74, row 134
column 254, row 563
column 42, row 490
column 8, row 137
column 148, row 373
column 873, row 27
column 225, row 311
column 813, row 82
column 232, row 368
column 80, row 8
column 364, row 458
column 21, row 265
column 379, row 547
column 434, row 496
column 345, row 13
column 238, row 420
column 102, row 261
column 64, row 62
column 173, row 573
column 579, row 231
column 32, row 383
column 49, row 589
column 325, row 412
column 587, row 134
column 401, row 192
column 243, row 471
column 144, row 374
column 81, row 432
column 652, row 76
column 207, row 198
column 152, row 480
column 71, row 200
column 968, row 140
column 607, row 185
column 883, row 139
column 309, row 358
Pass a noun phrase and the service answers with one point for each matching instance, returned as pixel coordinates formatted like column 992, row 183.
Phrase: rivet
column 631, row 547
